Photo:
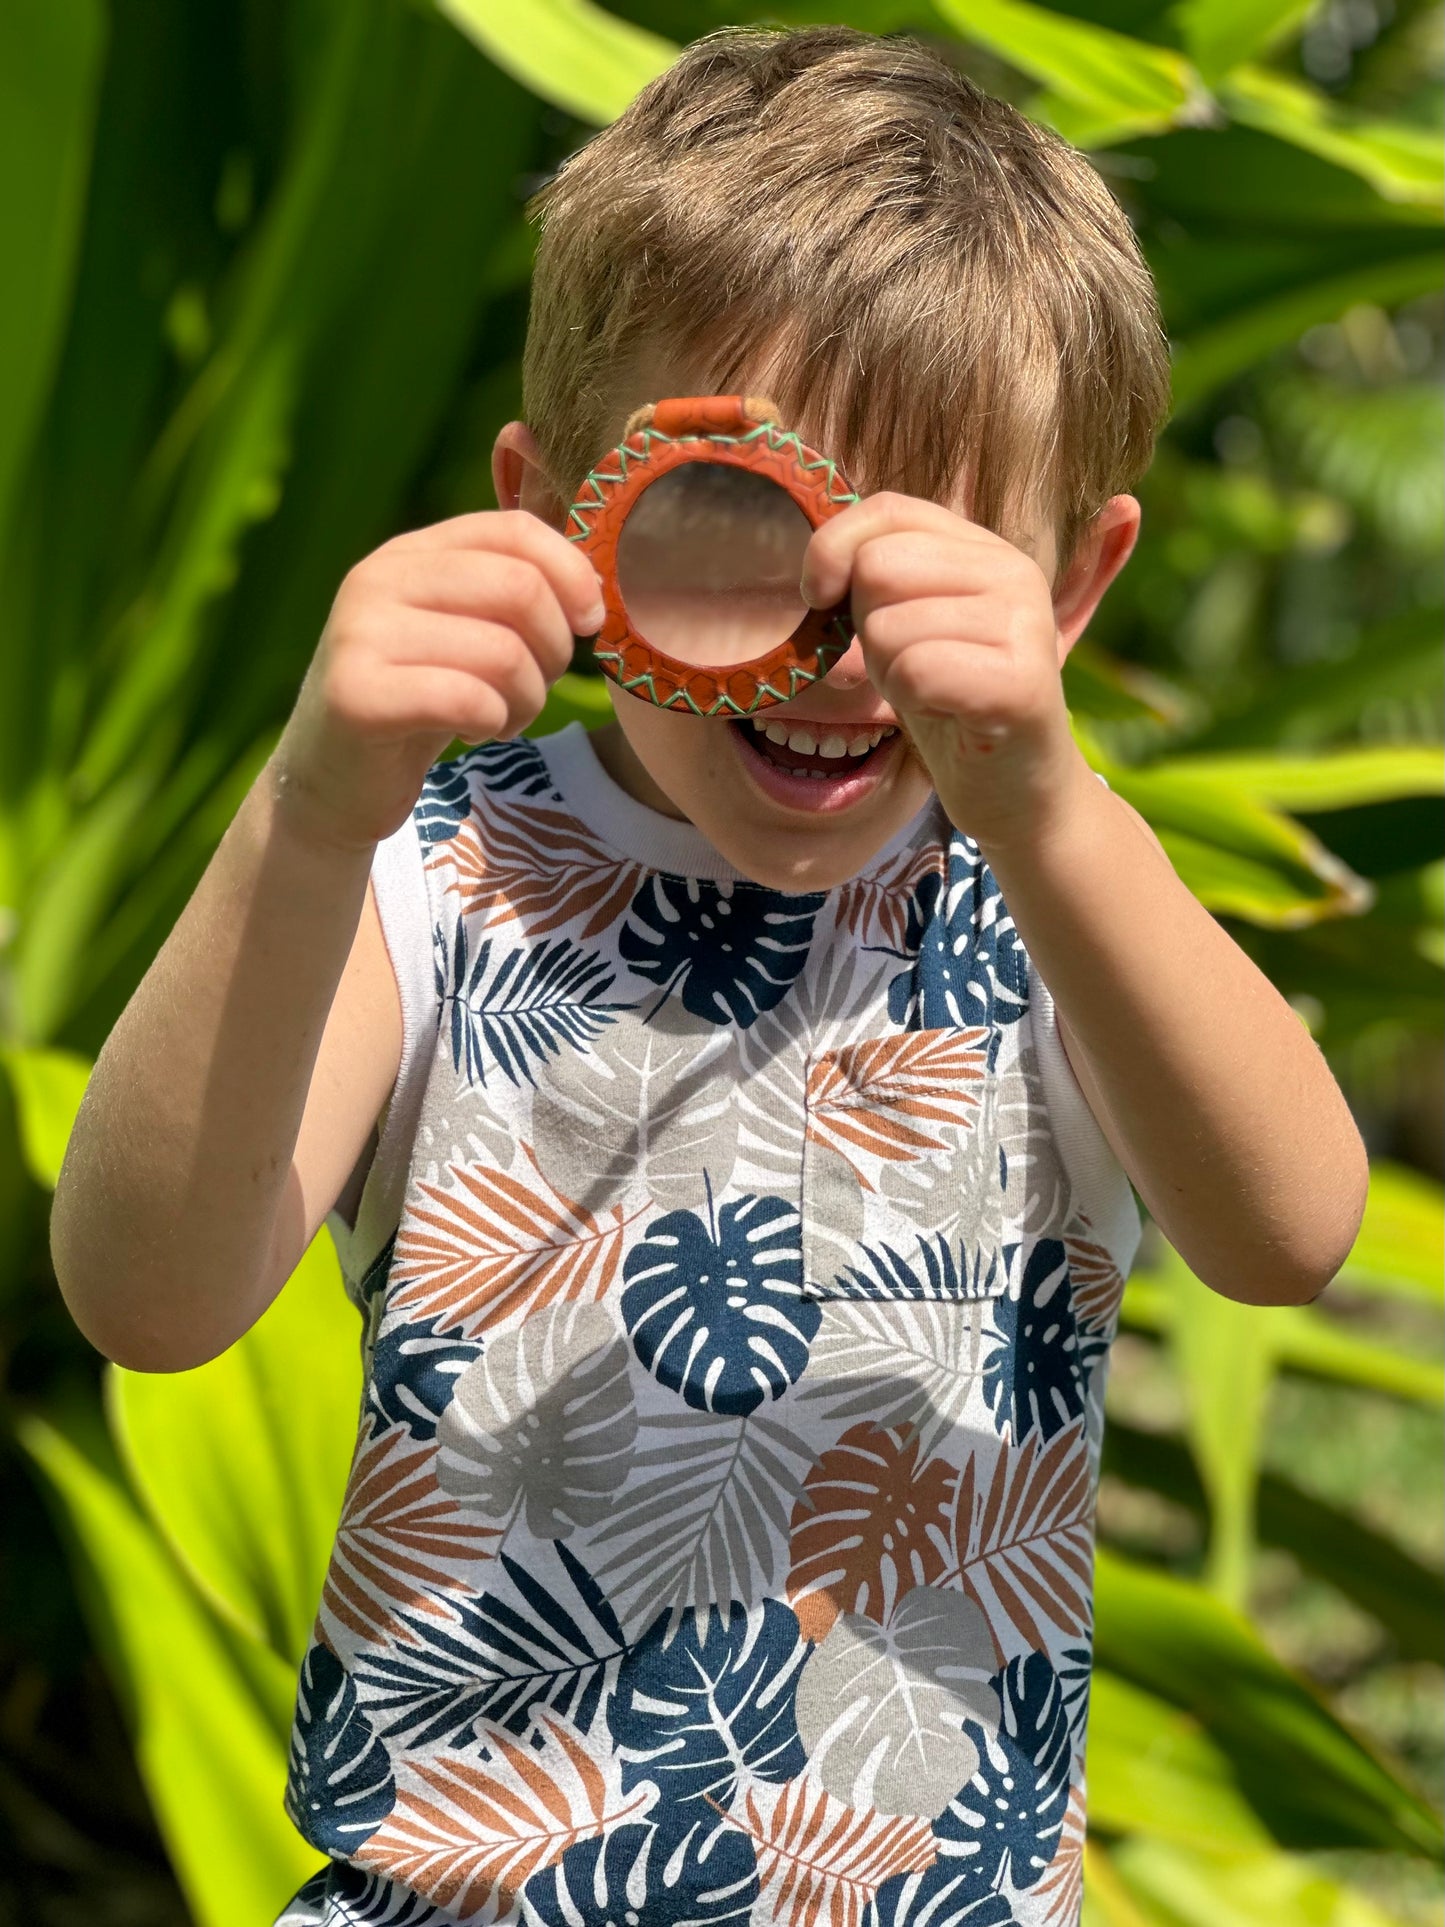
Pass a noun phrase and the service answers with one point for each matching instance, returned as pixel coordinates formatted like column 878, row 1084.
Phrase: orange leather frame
column 711, row 428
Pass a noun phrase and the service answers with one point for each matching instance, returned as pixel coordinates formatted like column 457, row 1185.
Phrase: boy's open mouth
column 809, row 764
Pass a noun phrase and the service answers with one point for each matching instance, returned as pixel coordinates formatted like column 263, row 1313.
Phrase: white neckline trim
column 666, row 843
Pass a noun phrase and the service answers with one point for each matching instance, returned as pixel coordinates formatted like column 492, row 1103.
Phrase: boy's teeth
column 775, row 732
column 806, row 743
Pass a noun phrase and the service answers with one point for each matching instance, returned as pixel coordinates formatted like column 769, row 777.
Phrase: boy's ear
column 1105, row 544
column 519, row 475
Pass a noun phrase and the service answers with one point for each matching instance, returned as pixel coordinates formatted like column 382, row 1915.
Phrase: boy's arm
column 242, row 1082
column 1215, row 1099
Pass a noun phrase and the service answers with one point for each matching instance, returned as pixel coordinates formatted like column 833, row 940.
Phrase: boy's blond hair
column 951, row 290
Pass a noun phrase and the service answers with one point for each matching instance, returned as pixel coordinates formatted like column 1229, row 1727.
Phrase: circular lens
column 709, row 561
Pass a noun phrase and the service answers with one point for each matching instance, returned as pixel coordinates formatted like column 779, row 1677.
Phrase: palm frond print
column 821, row 1862
column 540, row 867
column 896, row 1098
column 532, row 1005
column 468, row 1829
column 401, row 1541
column 870, row 1524
column 874, row 907
column 481, row 1248
column 1023, row 1537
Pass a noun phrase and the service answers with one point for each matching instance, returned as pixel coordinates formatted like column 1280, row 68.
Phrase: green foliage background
column 267, row 285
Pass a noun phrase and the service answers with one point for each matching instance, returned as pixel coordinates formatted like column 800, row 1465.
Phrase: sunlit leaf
column 1219, row 34
column 242, row 1462
column 47, row 1086
column 1401, row 1246
column 212, row 1759
column 577, row 55
column 1154, row 1769
column 1211, row 1886
column 1401, row 162
column 1329, row 779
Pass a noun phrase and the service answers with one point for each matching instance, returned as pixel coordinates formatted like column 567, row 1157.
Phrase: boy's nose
column 849, row 671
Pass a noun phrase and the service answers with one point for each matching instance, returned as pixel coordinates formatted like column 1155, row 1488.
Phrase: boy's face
column 734, row 780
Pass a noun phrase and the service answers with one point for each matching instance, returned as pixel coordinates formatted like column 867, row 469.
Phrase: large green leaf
column 1219, row 34
column 48, row 1086
column 1401, row 1246
column 1208, row 1885
column 580, row 57
column 1327, row 779
column 1308, row 1779
column 1100, row 86
column 213, row 1762
column 242, row 1463
column 1154, row 1769
column 1400, row 162
column 50, row 62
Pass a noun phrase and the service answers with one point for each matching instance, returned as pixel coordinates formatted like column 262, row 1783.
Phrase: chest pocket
column 904, row 1177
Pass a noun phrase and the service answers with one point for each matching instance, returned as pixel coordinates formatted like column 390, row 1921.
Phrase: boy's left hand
column 959, row 636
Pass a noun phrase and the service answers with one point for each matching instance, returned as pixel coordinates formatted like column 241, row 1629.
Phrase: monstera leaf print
column 402, row 1542
column 696, row 1708
column 339, row 1787
column 1034, row 1380
column 732, row 950
column 340, row 1892
column 1024, row 1537
column 873, row 908
column 1060, row 1888
column 936, row 1268
column 892, row 1099
column 469, row 1828
column 541, row 868
column 967, row 964
column 480, row 1248
column 870, row 1525
column 1076, row 1672
column 445, row 802
column 820, row 1861
column 414, row 1370
column 1005, row 1825
column 939, row 1899
column 631, row 1876
column 703, row 1519
column 531, row 1004
column 542, row 1422
column 882, row 1709
column 517, row 768
column 539, row 1635
column 715, row 1311
column 651, row 1105
column 901, row 1361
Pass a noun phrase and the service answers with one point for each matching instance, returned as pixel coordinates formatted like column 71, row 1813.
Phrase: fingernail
column 594, row 618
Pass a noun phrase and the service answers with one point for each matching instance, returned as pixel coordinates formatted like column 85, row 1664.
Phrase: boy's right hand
column 451, row 631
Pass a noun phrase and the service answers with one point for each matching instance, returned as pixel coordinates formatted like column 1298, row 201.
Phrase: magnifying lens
column 696, row 524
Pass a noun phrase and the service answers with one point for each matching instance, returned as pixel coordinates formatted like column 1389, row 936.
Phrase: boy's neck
column 620, row 761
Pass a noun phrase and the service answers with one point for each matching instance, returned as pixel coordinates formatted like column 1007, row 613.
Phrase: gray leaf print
column 704, row 1520
column 543, row 1420
column 897, row 1361
column 881, row 1708
column 832, row 1213
column 649, row 1103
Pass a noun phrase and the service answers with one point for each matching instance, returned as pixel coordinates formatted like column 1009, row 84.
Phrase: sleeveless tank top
column 738, row 1272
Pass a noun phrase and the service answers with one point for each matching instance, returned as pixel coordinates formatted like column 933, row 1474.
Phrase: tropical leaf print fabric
column 717, row 1549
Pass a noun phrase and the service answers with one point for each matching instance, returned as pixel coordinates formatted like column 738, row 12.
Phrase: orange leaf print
column 466, row 1832
column 874, row 907
column 885, row 1097
column 820, row 1862
column 400, row 1539
column 1061, row 1887
column 541, row 867
column 867, row 1527
column 482, row 1247
column 1023, row 1542
column 1096, row 1283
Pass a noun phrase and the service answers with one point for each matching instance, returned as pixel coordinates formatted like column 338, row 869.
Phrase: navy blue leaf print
column 635, row 1875
column 414, row 1371
column 734, row 949
column 718, row 1316
column 939, row 1898
column 968, row 966
column 339, row 1786
column 534, row 1004
column 539, row 1639
column 1005, row 1824
column 940, row 1270
column 344, row 1896
column 517, row 768
column 697, row 1703
column 1034, row 1380
column 444, row 804
column 1075, row 1673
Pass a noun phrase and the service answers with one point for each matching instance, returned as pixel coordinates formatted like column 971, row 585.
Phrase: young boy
column 738, row 1221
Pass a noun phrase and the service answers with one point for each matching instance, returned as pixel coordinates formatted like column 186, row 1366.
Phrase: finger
column 977, row 687
column 914, row 565
column 515, row 532
column 416, row 700
column 828, row 561
column 977, row 620
column 490, row 651
column 493, row 587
